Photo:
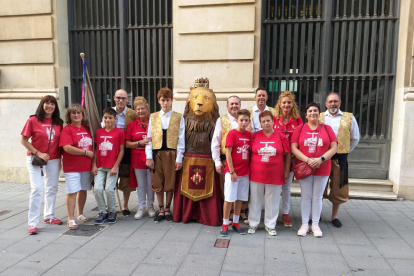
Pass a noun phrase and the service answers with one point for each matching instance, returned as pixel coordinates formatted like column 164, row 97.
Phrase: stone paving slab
column 376, row 239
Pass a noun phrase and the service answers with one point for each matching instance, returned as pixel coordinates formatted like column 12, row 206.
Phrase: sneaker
column 237, row 228
column 223, row 231
column 126, row 213
column 140, row 214
column 53, row 221
column 112, row 217
column 251, row 230
column 316, row 231
column 303, row 230
column 272, row 232
column 151, row 212
column 286, row 220
column 101, row 218
column 32, row 230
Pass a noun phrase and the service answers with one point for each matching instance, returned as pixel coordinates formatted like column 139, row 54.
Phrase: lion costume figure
column 197, row 194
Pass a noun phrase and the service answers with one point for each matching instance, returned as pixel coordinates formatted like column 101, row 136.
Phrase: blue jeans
column 102, row 176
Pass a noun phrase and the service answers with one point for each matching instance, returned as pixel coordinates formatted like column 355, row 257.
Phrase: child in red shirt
column 109, row 151
column 236, row 185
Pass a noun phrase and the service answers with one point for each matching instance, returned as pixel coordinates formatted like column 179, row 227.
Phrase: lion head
column 200, row 115
column 201, row 105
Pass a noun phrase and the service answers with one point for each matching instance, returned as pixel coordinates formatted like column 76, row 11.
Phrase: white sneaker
column 151, row 212
column 303, row 230
column 251, row 230
column 316, row 231
column 272, row 232
column 140, row 214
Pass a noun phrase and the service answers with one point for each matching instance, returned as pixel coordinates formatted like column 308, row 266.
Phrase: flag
column 88, row 101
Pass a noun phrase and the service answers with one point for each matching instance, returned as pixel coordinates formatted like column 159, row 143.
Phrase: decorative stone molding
column 409, row 94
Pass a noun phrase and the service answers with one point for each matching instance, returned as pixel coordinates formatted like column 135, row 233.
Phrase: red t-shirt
column 240, row 143
column 289, row 127
column 267, row 164
column 40, row 132
column 107, row 146
column 306, row 140
column 78, row 138
column 137, row 131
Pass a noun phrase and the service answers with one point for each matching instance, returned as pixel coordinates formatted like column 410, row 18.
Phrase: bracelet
column 86, row 152
column 232, row 172
column 35, row 152
column 307, row 161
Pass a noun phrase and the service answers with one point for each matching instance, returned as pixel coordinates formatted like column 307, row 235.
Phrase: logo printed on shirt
column 311, row 142
column 105, row 146
column 50, row 137
column 244, row 150
column 85, row 142
column 267, row 151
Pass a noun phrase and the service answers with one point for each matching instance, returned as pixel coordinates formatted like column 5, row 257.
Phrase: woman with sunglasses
column 76, row 140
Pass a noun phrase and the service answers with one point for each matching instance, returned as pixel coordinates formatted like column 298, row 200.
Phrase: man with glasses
column 124, row 115
column 346, row 130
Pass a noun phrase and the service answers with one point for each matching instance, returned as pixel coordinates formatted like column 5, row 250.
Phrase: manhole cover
column 5, row 212
column 222, row 243
column 85, row 230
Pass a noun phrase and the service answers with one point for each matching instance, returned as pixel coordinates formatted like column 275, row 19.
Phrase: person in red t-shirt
column 76, row 140
column 287, row 119
column 137, row 140
column 313, row 143
column 108, row 154
column 236, row 172
column 270, row 166
column 43, row 128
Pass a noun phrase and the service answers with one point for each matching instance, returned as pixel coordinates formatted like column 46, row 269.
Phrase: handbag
column 36, row 160
column 303, row 170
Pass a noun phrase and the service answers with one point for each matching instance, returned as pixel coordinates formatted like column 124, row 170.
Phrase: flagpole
column 82, row 55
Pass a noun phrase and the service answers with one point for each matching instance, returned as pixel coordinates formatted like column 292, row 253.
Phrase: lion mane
column 199, row 129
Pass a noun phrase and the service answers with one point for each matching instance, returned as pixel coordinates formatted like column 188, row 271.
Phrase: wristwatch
column 323, row 159
column 138, row 143
column 232, row 172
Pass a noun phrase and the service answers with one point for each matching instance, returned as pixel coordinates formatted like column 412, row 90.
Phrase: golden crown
column 201, row 82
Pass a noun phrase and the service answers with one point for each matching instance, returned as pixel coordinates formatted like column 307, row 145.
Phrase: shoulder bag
column 303, row 170
column 36, row 160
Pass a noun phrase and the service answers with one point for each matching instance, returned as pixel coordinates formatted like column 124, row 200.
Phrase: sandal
column 161, row 215
column 244, row 219
column 74, row 225
column 169, row 217
column 83, row 218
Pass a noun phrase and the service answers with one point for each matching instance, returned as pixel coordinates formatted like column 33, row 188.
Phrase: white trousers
column 286, row 194
column 271, row 196
column 311, row 193
column 51, row 178
column 144, row 190
column 102, row 177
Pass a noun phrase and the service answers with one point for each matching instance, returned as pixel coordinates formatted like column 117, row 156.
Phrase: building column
column 402, row 145
column 220, row 40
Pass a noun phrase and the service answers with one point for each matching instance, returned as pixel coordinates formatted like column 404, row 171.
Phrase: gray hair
column 233, row 96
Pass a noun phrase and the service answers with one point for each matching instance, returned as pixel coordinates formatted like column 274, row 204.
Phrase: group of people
column 253, row 149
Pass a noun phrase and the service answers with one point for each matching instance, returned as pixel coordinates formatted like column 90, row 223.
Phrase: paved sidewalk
column 377, row 239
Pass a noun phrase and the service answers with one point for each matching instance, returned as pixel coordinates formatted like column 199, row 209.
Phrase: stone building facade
column 207, row 34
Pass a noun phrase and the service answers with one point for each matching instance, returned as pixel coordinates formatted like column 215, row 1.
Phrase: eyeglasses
column 121, row 98
column 331, row 102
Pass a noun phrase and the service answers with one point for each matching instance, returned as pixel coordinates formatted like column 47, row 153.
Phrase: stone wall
column 402, row 146
column 34, row 62
column 218, row 39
